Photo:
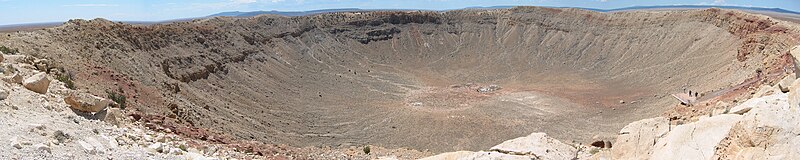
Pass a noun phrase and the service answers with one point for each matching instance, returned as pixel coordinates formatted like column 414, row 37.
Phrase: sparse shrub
column 117, row 97
column 67, row 79
column 366, row 149
column 594, row 150
column 183, row 147
column 7, row 50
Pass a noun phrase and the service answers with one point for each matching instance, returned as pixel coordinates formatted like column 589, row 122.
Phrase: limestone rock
column 175, row 151
column 695, row 140
column 387, row 158
column 19, row 58
column 449, row 155
column 16, row 143
column 37, row 83
column 533, row 146
column 794, row 97
column 113, row 116
column 42, row 147
column 3, row 93
column 721, row 108
column 496, row 155
column 786, row 82
column 490, row 88
column 156, row 147
column 197, row 156
column 795, row 52
column 750, row 153
column 88, row 148
column 770, row 129
column 766, row 90
column 87, row 102
column 636, row 140
column 42, row 64
column 537, row 145
column 13, row 78
column 763, row 101
column 92, row 146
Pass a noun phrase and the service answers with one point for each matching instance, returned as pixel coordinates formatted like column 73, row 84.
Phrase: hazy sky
column 30, row 11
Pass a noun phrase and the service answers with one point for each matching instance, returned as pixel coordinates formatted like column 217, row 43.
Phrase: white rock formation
column 537, row 145
column 636, row 140
column 37, row 83
column 768, row 131
column 87, row 102
column 533, row 146
column 795, row 52
column 449, row 155
column 786, row 82
column 695, row 140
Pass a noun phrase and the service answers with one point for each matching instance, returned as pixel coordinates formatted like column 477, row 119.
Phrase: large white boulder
column 786, row 82
column 762, row 101
column 450, row 155
column 37, row 83
column 14, row 59
column 769, row 131
column 696, row 140
column 113, row 116
column 533, row 146
column 766, row 90
column 537, row 145
column 496, row 156
column 636, row 140
column 87, row 102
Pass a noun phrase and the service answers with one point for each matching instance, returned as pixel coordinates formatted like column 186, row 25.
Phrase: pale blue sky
column 31, row 11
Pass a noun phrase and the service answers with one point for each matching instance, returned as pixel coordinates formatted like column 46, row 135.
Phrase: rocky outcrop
column 450, row 155
column 536, row 145
column 113, row 116
column 794, row 97
column 786, row 82
column 533, row 146
column 695, row 140
column 768, row 131
column 87, row 102
column 637, row 139
column 766, row 90
column 795, row 52
column 13, row 78
column 759, row 128
column 37, row 83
